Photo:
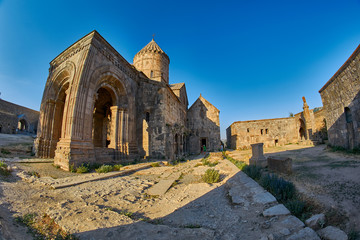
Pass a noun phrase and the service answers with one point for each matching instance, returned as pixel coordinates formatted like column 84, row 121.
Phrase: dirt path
column 331, row 178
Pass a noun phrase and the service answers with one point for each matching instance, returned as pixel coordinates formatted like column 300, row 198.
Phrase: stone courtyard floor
column 120, row 207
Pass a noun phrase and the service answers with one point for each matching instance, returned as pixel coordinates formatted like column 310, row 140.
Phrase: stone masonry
column 17, row 119
column 97, row 107
column 204, row 125
column 341, row 101
column 305, row 127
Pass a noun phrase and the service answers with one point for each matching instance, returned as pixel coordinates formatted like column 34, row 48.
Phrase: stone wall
column 97, row 107
column 305, row 127
column 341, row 101
column 271, row 132
column 17, row 119
column 204, row 126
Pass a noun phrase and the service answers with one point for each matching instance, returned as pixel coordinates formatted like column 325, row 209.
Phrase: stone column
column 258, row 157
column 114, row 127
column 126, row 132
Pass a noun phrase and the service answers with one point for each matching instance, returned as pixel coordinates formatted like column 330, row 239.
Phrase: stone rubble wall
column 11, row 113
column 203, row 123
column 340, row 92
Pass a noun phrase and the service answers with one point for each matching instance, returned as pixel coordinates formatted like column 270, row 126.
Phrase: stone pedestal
column 280, row 164
column 258, row 157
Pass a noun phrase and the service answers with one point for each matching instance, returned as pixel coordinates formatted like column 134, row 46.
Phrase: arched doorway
column 302, row 130
column 102, row 118
column 59, row 120
column 22, row 125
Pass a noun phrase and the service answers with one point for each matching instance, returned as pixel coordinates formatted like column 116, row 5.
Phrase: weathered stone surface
column 16, row 119
column 280, row 164
column 315, row 221
column 306, row 233
column 307, row 126
column 203, row 120
column 341, row 100
column 332, row 233
column 264, row 198
column 277, row 210
column 160, row 188
column 292, row 223
column 257, row 157
column 115, row 112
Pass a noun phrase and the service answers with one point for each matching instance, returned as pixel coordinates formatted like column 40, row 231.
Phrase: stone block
column 332, row 233
column 306, row 233
column 277, row 210
column 258, row 157
column 315, row 221
column 280, row 164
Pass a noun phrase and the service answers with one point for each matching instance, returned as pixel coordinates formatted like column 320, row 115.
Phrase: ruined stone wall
column 11, row 114
column 174, row 112
column 271, row 132
column 204, row 125
column 320, row 130
column 151, row 125
column 341, row 101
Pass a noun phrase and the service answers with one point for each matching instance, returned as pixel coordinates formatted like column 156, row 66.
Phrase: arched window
column 151, row 74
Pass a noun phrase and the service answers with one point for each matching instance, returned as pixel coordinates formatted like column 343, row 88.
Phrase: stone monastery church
column 97, row 107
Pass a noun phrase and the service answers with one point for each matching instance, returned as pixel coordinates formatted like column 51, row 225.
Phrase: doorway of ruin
column 22, row 125
column 101, row 132
column 202, row 144
column 302, row 132
column 57, row 128
column 349, row 128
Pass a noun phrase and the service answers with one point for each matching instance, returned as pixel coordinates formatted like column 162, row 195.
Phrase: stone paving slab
column 160, row 188
column 277, row 210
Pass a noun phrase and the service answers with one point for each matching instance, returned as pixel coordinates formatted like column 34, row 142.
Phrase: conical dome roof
column 152, row 47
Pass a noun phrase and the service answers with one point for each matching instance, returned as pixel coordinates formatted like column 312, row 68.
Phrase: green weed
column 104, row 169
column 84, row 168
column 211, row 176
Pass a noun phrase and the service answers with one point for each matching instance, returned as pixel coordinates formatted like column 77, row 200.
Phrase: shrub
column 84, row 168
column 156, row 164
column 4, row 169
column 72, row 168
column 5, row 151
column 104, row 169
column 280, row 188
column 117, row 167
column 252, row 171
column 205, row 162
column 211, row 176
column 296, row 207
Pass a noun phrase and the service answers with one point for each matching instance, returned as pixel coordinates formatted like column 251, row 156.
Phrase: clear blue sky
column 251, row 59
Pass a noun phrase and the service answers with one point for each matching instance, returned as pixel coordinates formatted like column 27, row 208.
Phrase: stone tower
column 153, row 62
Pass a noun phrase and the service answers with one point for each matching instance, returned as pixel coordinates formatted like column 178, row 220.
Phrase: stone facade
column 307, row 126
column 17, row 119
column 204, row 125
column 97, row 107
column 341, row 101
